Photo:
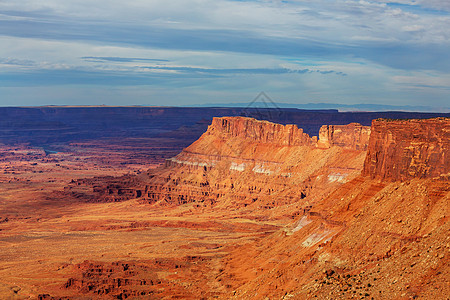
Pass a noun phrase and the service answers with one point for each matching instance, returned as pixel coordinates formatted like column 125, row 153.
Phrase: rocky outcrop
column 257, row 131
column 238, row 162
column 352, row 136
column 120, row 280
column 138, row 279
column 242, row 161
column 404, row 149
column 368, row 238
column 249, row 141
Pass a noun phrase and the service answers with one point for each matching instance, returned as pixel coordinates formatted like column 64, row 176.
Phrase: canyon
column 231, row 207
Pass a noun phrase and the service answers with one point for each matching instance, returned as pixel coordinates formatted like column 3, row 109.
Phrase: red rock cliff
column 259, row 131
column 404, row 149
column 239, row 160
column 352, row 136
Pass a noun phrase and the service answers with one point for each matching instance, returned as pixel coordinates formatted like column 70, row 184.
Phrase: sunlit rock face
column 351, row 136
column 405, row 149
column 242, row 161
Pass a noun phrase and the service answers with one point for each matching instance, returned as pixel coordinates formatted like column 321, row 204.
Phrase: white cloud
column 412, row 28
column 325, row 35
column 332, row 21
column 443, row 5
column 423, row 81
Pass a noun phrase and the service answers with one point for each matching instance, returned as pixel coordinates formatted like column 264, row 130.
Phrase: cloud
column 154, row 75
column 418, row 81
column 197, row 43
column 17, row 62
column 422, row 6
column 265, row 71
column 121, row 59
column 240, row 42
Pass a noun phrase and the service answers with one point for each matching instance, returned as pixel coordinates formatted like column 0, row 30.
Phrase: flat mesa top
column 93, row 106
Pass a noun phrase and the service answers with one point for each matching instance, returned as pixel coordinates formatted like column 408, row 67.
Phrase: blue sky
column 154, row 52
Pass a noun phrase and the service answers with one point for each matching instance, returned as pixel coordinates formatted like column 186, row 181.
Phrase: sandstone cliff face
column 226, row 135
column 368, row 238
column 405, row 149
column 259, row 131
column 352, row 136
column 240, row 162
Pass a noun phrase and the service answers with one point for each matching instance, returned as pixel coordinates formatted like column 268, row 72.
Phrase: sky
column 189, row 52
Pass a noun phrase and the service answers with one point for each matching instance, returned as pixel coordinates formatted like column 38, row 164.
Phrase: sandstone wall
column 243, row 159
column 240, row 160
column 404, row 149
column 352, row 136
column 259, row 131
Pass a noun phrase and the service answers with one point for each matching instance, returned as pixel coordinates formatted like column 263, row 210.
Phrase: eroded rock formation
column 241, row 161
column 405, row 149
column 384, row 237
column 131, row 279
column 259, row 131
column 351, row 136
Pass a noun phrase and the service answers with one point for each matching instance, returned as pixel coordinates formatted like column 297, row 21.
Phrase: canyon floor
column 48, row 238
